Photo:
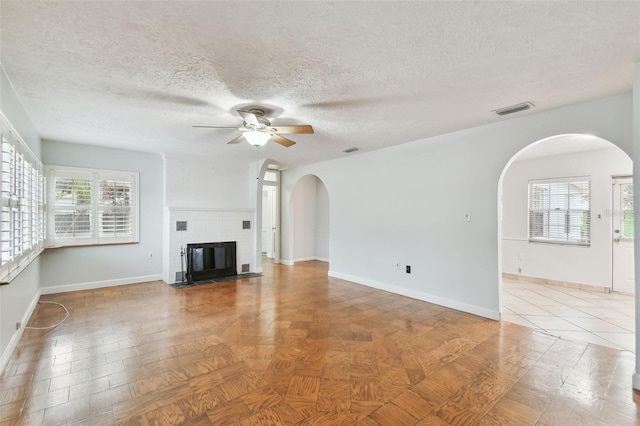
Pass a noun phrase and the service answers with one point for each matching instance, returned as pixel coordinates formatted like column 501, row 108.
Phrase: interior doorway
column 270, row 214
column 310, row 235
column 623, row 235
column 558, row 217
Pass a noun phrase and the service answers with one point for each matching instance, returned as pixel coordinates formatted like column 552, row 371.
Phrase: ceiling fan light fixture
column 256, row 138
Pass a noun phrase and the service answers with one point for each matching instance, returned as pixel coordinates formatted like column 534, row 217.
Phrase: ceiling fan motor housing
column 259, row 114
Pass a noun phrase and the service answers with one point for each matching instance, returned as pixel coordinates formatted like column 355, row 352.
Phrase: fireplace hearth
column 211, row 260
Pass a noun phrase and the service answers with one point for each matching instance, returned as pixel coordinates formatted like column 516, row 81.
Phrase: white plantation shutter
column 72, row 206
column 93, row 206
column 116, row 214
column 21, row 211
column 560, row 210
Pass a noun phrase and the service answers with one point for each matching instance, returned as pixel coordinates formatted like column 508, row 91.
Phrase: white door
column 266, row 221
column 623, row 267
column 269, row 220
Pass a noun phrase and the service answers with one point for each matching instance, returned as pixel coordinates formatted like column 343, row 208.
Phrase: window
column 560, row 210
column 92, row 206
column 271, row 176
column 22, row 205
column 626, row 210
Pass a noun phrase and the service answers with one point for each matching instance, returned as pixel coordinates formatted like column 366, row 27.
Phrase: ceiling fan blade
column 236, row 140
column 249, row 117
column 305, row 128
column 218, row 127
column 282, row 140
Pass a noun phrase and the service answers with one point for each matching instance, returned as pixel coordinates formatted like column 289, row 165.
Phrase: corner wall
column 77, row 268
column 407, row 203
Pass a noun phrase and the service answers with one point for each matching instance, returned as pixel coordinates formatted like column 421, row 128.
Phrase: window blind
column 93, row 206
column 560, row 210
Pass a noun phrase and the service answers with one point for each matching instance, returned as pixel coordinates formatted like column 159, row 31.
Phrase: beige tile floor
column 587, row 316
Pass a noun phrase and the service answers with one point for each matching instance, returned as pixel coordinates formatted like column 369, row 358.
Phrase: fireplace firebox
column 211, row 260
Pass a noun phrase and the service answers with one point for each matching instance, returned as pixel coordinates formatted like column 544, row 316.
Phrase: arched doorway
column 310, row 223
column 557, row 240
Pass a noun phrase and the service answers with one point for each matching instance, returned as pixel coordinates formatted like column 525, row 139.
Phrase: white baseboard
column 303, row 259
column 98, row 284
column 258, row 270
column 442, row 301
column 6, row 355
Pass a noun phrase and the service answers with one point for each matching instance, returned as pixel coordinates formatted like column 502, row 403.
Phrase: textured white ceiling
column 138, row 75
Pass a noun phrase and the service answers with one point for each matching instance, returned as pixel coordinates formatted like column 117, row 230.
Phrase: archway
column 556, row 240
column 309, row 217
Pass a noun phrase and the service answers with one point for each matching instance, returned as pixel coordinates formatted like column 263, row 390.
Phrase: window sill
column 53, row 247
column 560, row 243
column 6, row 280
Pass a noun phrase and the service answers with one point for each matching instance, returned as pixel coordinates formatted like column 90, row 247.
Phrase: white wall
column 304, row 211
column 322, row 222
column 198, row 182
column 578, row 264
column 17, row 299
column 408, row 202
column 71, row 268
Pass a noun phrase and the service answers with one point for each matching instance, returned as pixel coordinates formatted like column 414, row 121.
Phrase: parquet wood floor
column 297, row 348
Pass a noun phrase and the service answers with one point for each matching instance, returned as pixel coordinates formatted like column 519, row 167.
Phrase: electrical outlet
column 467, row 217
column 150, row 255
column 519, row 270
column 408, row 269
column 18, row 325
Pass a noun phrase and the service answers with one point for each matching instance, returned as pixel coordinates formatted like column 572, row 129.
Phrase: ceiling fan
column 257, row 129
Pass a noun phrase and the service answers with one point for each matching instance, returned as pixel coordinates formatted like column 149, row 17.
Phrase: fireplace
column 211, row 260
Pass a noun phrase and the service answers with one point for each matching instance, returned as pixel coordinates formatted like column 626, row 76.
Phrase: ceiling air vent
column 350, row 150
column 514, row 108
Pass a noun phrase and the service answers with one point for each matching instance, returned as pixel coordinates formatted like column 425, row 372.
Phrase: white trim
column 26, row 261
column 448, row 303
column 258, row 270
column 13, row 343
column 207, row 209
column 302, row 259
column 99, row 284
